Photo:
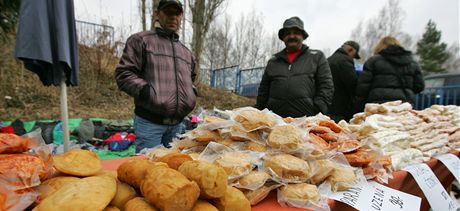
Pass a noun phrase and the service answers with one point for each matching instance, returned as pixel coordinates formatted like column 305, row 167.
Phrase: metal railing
column 240, row 81
column 446, row 95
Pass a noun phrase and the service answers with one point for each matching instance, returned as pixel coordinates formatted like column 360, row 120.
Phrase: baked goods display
column 408, row 136
column 233, row 161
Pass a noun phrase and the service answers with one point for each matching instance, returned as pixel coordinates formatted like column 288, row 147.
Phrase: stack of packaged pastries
column 260, row 152
column 408, row 136
column 24, row 164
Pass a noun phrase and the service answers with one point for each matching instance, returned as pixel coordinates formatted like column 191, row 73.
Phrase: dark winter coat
column 345, row 80
column 390, row 75
column 158, row 71
column 298, row 89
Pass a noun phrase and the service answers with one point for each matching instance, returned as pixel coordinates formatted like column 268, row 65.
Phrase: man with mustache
column 158, row 71
column 297, row 81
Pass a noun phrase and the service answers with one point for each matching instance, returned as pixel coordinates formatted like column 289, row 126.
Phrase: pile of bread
column 261, row 152
column 407, row 135
column 178, row 183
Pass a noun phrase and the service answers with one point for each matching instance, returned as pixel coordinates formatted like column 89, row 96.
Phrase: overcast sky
column 329, row 22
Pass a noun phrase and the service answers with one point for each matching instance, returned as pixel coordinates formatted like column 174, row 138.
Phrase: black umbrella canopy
column 47, row 42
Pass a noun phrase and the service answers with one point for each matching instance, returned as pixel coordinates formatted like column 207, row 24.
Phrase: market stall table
column 402, row 181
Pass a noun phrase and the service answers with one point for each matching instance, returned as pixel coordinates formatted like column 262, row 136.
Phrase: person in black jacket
column 345, row 80
column 391, row 74
column 297, row 81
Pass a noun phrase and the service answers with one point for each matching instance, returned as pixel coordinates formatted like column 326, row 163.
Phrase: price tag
column 435, row 193
column 374, row 196
column 452, row 163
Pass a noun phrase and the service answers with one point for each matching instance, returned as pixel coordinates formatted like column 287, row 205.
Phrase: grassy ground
column 23, row 96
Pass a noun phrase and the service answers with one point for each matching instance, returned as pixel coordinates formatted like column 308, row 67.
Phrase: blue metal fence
column 241, row 81
column 446, row 95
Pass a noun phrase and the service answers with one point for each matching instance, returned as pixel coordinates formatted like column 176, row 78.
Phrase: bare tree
column 453, row 63
column 153, row 15
column 250, row 48
column 203, row 14
column 143, row 11
column 388, row 22
column 218, row 45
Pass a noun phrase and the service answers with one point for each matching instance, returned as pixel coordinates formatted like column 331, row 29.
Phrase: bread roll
column 78, row 162
column 169, row 190
column 139, row 204
column 90, row 193
column 211, row 179
column 233, row 200
column 133, row 172
column 124, row 193
column 201, row 205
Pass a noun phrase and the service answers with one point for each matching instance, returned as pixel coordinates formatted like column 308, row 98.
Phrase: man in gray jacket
column 297, row 81
column 158, row 71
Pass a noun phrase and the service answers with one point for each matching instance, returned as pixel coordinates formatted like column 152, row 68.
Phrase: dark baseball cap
column 164, row 3
column 354, row 45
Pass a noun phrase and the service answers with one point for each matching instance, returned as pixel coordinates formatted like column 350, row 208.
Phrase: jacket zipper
column 175, row 74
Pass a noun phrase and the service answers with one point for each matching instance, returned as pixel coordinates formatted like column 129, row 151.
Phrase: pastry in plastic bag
column 342, row 178
column 233, row 200
column 50, row 186
column 169, row 190
column 139, row 204
column 331, row 125
column 201, row 205
column 124, row 193
column 134, row 171
column 238, row 134
column 11, row 143
column 78, row 162
column 253, row 180
column 253, row 119
column 318, row 141
column 211, row 179
column 90, row 193
column 325, row 168
column 361, row 157
column 299, row 193
column 235, row 163
column 285, row 138
column 23, row 170
column 203, row 135
column 346, row 146
column 159, row 152
column 174, row 160
column 288, row 167
column 256, row 147
column 257, row 195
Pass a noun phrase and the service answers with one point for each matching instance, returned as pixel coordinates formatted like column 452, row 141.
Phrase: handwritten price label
column 374, row 196
column 435, row 193
column 452, row 163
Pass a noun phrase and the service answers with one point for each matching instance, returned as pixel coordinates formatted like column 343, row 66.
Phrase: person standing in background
column 158, row 71
column 345, row 80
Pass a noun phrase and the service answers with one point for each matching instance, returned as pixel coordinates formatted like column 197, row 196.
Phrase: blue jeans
column 149, row 134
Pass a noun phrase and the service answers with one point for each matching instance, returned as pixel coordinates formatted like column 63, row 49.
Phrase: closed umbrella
column 47, row 44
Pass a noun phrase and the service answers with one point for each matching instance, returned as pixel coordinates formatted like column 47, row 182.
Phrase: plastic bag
column 11, row 143
column 302, row 195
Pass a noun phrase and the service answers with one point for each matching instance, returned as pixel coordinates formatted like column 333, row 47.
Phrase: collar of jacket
column 282, row 54
column 169, row 34
column 342, row 51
